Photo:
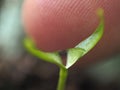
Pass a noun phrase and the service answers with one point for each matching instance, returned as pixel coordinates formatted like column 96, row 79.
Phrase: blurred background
column 21, row 71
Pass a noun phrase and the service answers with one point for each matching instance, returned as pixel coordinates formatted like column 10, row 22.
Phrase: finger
column 62, row 24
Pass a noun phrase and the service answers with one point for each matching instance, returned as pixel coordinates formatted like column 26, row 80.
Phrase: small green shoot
column 73, row 54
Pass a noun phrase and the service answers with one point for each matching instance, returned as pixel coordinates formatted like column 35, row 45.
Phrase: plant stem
column 62, row 78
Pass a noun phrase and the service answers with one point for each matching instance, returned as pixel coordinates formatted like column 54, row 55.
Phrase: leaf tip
column 100, row 12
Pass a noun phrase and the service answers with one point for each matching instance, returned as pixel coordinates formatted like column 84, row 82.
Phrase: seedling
column 73, row 54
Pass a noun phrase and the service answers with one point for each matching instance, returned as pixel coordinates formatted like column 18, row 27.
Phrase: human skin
column 61, row 24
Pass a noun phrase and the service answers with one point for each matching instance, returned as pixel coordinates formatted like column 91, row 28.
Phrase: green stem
column 62, row 78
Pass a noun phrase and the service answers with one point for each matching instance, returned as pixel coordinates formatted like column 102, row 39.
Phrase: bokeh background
column 21, row 71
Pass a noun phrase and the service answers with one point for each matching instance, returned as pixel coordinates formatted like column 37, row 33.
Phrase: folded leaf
column 85, row 46
column 49, row 57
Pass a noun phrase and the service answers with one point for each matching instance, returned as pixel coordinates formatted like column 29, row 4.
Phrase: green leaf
column 73, row 55
column 49, row 57
column 85, row 46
